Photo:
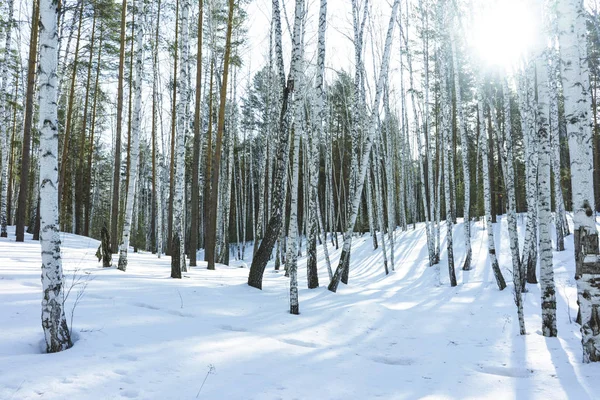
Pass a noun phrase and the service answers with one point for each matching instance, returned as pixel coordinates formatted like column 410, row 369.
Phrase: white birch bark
column 4, row 119
column 446, row 150
column 356, row 195
column 560, row 216
column 487, row 192
column 423, row 152
column 527, row 108
column 460, row 121
column 511, row 213
column 54, row 324
column 314, row 144
column 182, row 127
column 135, row 135
column 547, row 288
column 576, row 86
column 297, row 73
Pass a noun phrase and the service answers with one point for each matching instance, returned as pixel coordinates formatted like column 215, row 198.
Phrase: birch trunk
column 54, row 324
column 4, row 118
column 576, row 85
column 511, row 212
column 182, row 127
column 529, row 261
column 446, row 149
column 547, row 288
column 314, row 141
column 487, row 194
column 356, row 195
column 465, row 158
column 135, row 135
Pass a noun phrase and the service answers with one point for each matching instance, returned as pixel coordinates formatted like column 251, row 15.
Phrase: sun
column 503, row 31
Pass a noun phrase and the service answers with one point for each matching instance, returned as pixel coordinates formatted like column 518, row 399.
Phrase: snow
column 402, row 336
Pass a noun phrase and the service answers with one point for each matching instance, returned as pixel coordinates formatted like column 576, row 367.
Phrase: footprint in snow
column 128, row 357
column 130, row 393
column 392, row 360
column 120, row 372
column 144, row 305
column 300, row 343
column 506, row 371
column 232, row 328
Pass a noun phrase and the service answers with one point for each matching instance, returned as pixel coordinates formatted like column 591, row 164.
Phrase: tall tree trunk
column 274, row 226
column 178, row 230
column 195, row 213
column 297, row 105
column 25, row 154
column 54, row 324
column 361, row 170
column 82, row 210
column 487, row 194
column 547, row 288
column 134, row 153
column 156, row 181
column 511, row 212
column 62, row 198
column 460, row 121
column 576, row 85
column 4, row 120
column 211, row 231
column 446, row 128
column 114, row 218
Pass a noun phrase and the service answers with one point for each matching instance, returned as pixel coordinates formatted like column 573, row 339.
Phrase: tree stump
column 175, row 257
column 106, row 252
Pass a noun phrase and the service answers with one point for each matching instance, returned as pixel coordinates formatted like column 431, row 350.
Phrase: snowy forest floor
column 141, row 334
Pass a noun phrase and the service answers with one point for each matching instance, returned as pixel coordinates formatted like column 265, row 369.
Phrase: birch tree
column 460, row 121
column 4, row 118
column 134, row 152
column 547, row 288
column 576, row 85
column 487, row 193
column 360, row 169
column 54, row 324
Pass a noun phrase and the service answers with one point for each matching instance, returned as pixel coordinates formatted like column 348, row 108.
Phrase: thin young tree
column 4, row 119
column 195, row 203
column 211, row 231
column 134, row 152
column 27, row 126
column 360, row 170
column 114, row 218
column 54, row 324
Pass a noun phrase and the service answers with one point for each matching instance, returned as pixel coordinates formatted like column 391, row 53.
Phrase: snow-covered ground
column 143, row 335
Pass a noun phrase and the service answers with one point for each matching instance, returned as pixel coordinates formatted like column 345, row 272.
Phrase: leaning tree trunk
column 576, row 85
column 56, row 332
column 263, row 254
column 356, row 195
column 4, row 89
column 134, row 152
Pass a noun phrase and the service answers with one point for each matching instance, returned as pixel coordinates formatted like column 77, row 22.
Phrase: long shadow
column 565, row 371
